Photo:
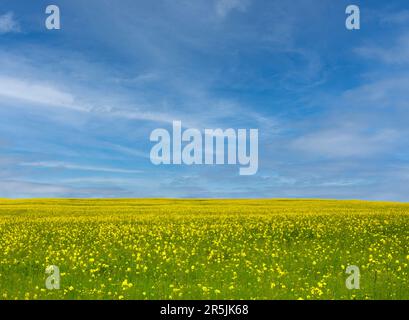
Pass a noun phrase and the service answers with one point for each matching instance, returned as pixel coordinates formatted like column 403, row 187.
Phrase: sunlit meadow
column 203, row 249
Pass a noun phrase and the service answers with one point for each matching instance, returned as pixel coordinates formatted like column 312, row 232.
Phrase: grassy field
column 203, row 249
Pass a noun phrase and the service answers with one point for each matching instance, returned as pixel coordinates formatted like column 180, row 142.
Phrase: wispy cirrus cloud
column 41, row 93
column 342, row 143
column 8, row 23
column 400, row 17
column 71, row 166
column 31, row 189
column 397, row 53
column 35, row 92
column 224, row 7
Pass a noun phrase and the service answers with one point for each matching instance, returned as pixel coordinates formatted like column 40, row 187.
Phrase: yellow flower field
column 203, row 249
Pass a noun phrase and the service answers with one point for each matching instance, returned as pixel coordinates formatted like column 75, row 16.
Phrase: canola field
column 203, row 249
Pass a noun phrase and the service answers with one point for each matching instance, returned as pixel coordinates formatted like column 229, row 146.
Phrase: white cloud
column 41, row 93
column 8, row 23
column 70, row 166
column 224, row 7
column 343, row 183
column 387, row 92
column 341, row 143
column 30, row 189
column 398, row 53
column 400, row 17
column 130, row 151
column 139, row 79
column 35, row 92
column 48, row 95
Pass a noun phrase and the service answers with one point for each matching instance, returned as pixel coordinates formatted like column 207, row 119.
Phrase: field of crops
column 203, row 249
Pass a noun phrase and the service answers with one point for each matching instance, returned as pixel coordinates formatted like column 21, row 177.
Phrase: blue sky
column 77, row 105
